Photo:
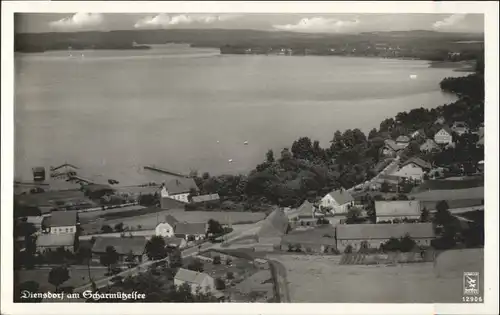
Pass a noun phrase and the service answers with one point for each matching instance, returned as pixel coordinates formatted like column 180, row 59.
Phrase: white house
column 460, row 127
column 179, row 189
column 403, row 141
column 399, row 209
column 198, row 281
column 62, row 222
column 338, row 201
column 429, row 145
column 414, row 168
column 167, row 227
column 444, row 136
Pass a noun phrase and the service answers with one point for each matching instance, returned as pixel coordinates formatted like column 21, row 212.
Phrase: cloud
column 164, row 20
column 78, row 21
column 320, row 25
column 449, row 22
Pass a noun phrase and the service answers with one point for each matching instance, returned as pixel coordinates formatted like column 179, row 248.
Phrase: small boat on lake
column 413, row 76
column 230, row 160
column 245, row 143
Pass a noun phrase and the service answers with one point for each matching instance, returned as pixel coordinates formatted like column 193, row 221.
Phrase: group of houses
column 442, row 138
column 171, row 227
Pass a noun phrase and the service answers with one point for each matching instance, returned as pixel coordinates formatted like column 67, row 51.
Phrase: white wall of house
column 164, row 229
column 443, row 137
column 356, row 244
column 329, row 202
column 63, row 229
column 399, row 217
column 411, row 171
column 180, row 197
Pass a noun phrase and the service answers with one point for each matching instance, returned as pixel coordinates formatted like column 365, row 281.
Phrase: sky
column 306, row 23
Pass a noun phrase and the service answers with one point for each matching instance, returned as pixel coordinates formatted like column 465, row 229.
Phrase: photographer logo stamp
column 471, row 283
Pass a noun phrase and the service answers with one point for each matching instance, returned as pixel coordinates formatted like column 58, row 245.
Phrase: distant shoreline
column 458, row 66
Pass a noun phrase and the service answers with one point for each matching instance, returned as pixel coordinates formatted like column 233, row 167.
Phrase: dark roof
column 306, row 209
column 418, row 161
column 180, row 185
column 204, row 198
column 122, row 245
column 275, row 224
column 397, row 208
column 97, row 187
column 171, row 220
column 341, row 196
column 62, row 218
column 185, row 228
column 391, row 144
column 55, row 240
column 384, row 231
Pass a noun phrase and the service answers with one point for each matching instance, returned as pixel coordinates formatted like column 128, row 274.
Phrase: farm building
column 45, row 242
column 191, row 231
column 337, row 201
column 414, row 169
column 206, row 199
column 196, row 280
column 400, row 209
column 125, row 246
column 179, row 189
column 377, row 234
column 62, row 222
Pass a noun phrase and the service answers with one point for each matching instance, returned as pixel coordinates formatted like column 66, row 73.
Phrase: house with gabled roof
column 414, row 168
column 337, row 201
column 444, row 136
column 167, row 227
column 190, row 231
column 126, row 247
column 429, row 145
column 51, row 242
column 197, row 281
column 179, row 189
column 391, row 148
column 460, row 127
column 397, row 210
column 403, row 141
column 375, row 235
column 62, row 222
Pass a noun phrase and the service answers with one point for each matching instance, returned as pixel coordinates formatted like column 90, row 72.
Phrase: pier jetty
column 164, row 171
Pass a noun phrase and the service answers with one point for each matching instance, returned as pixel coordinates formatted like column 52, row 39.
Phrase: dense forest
column 306, row 170
column 408, row 44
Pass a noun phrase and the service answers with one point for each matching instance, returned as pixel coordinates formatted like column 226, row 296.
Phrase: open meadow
column 438, row 282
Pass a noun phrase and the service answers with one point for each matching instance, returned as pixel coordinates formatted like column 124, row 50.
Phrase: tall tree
column 109, row 258
column 58, row 275
column 155, row 248
column 270, row 156
column 175, row 258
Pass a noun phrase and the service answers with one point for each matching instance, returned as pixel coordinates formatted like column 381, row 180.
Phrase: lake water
column 112, row 112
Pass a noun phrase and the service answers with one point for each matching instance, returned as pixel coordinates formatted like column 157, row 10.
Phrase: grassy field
column 149, row 221
column 78, row 277
column 439, row 282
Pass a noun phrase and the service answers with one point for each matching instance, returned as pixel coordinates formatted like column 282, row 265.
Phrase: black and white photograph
column 250, row 157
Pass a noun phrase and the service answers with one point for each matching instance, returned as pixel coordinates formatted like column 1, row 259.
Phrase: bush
column 348, row 249
column 219, row 284
column 217, row 260
column 229, row 275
